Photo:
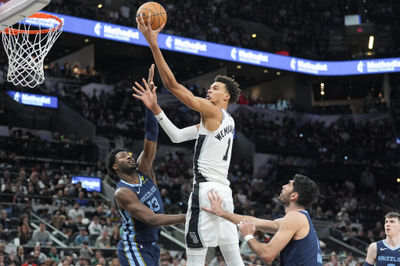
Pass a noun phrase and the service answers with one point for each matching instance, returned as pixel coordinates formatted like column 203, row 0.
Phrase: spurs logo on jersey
column 213, row 151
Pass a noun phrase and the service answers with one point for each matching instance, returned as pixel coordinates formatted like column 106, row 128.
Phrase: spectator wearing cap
column 81, row 237
column 41, row 235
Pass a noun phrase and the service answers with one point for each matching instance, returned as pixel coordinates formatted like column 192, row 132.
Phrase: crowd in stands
column 361, row 142
column 291, row 26
column 75, row 71
column 30, row 144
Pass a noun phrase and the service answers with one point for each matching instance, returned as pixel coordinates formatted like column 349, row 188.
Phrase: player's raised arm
column 148, row 96
column 198, row 104
column 146, row 158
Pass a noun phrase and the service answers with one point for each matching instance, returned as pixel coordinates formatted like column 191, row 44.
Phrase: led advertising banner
column 88, row 182
column 225, row 52
column 34, row 99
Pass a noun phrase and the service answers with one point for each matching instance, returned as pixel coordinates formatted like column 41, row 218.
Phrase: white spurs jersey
column 213, row 151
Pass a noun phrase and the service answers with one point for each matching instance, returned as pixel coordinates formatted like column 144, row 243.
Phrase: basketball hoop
column 27, row 46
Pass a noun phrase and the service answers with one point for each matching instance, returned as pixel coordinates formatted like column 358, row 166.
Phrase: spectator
column 103, row 241
column 24, row 235
column 25, row 221
column 74, row 212
column 108, row 226
column 115, row 237
column 79, row 223
column 54, row 254
column 113, row 215
column 85, row 250
column 99, row 212
column 97, row 257
column 4, row 221
column 30, row 261
column 39, row 257
column 41, row 236
column 20, row 255
column 95, row 227
column 83, row 261
column 3, row 234
column 81, row 200
column 12, row 259
column 333, row 260
column 81, row 237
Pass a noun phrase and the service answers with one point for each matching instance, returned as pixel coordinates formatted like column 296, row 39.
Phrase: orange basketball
column 157, row 11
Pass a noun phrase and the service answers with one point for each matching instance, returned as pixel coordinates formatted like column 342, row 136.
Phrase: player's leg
column 228, row 233
column 196, row 256
column 201, row 227
column 231, row 254
column 128, row 255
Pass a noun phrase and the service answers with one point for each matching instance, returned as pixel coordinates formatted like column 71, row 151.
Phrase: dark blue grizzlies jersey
column 387, row 256
column 138, row 245
column 303, row 252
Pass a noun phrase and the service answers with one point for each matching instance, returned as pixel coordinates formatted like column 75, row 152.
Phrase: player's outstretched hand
column 146, row 95
column 145, row 28
column 216, row 203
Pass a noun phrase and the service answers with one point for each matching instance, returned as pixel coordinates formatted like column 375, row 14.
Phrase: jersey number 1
column 227, row 150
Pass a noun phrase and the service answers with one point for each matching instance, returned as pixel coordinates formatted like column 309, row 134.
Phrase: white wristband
column 248, row 237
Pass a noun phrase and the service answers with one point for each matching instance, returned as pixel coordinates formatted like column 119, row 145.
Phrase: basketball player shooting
column 212, row 154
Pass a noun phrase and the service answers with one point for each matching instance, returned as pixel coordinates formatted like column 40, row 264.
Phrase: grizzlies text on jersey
column 387, row 256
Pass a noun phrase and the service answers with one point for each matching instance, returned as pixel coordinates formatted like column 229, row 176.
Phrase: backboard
column 13, row 11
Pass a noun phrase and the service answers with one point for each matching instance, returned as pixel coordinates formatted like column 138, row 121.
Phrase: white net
column 27, row 45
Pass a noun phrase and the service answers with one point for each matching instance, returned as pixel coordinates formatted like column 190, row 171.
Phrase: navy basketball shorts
column 130, row 254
